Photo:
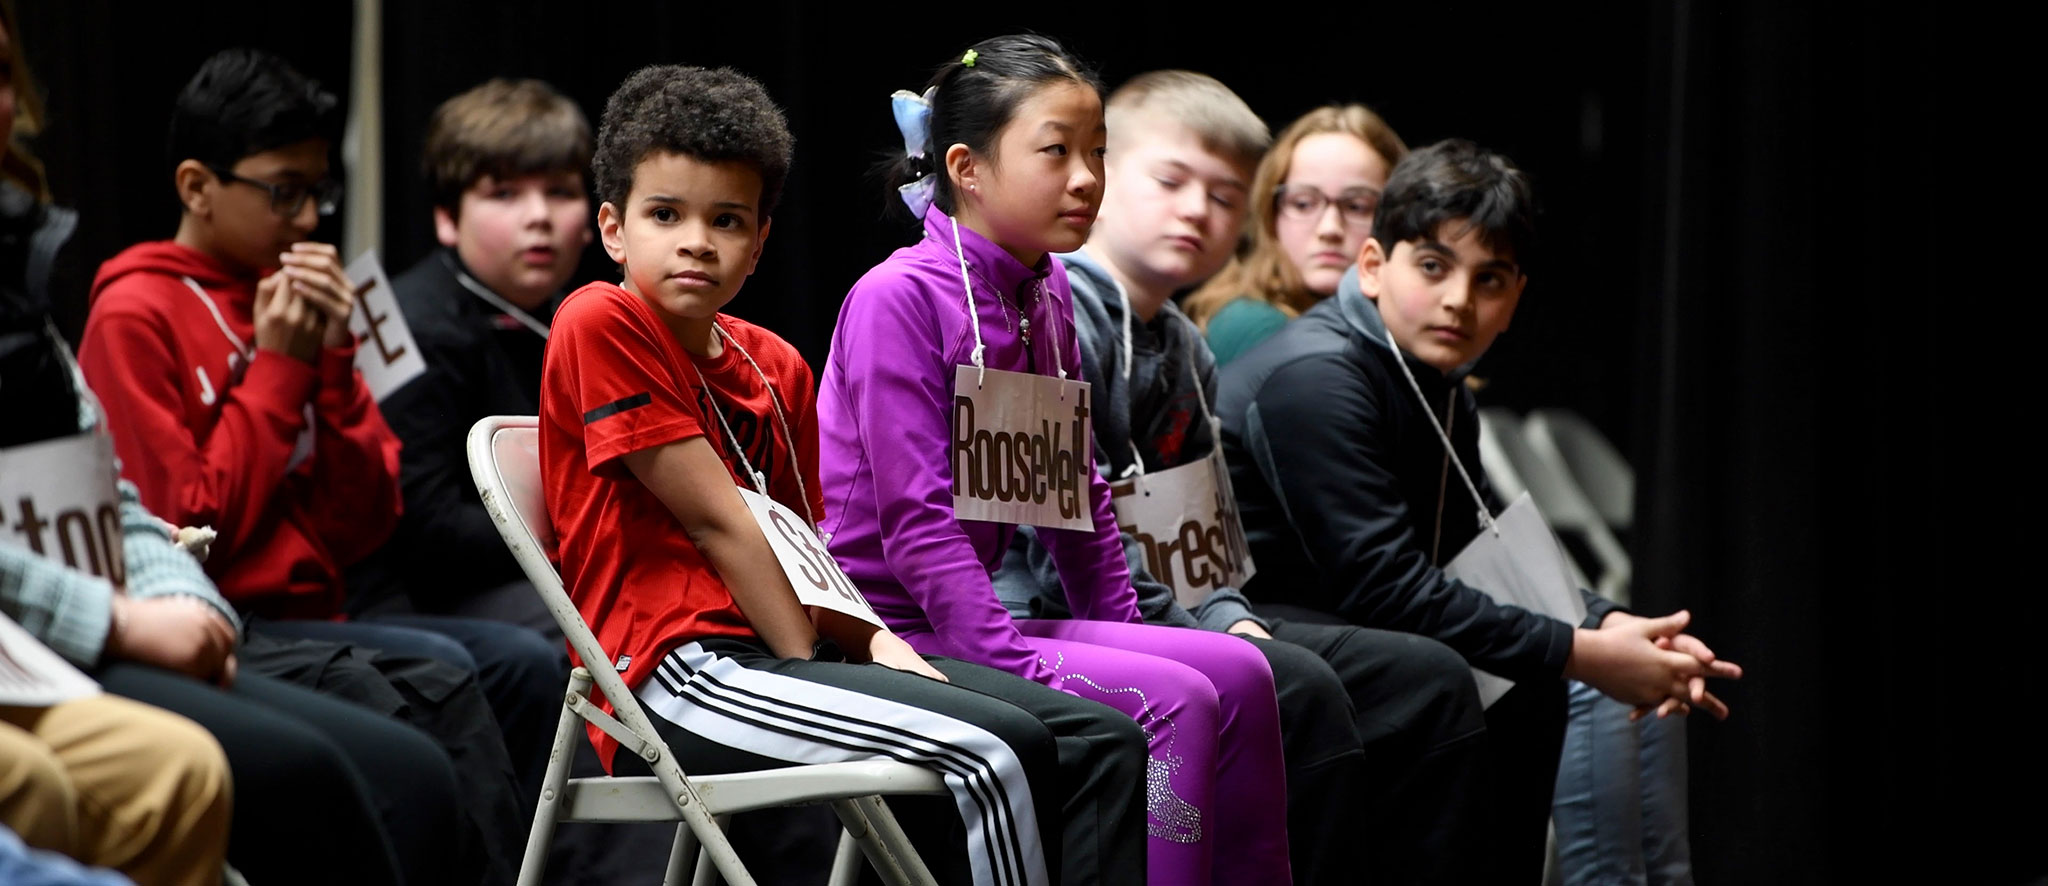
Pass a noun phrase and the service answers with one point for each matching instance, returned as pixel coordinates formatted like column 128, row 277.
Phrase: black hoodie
column 1340, row 478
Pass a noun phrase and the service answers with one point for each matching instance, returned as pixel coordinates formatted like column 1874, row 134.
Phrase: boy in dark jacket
column 505, row 162
column 1344, row 487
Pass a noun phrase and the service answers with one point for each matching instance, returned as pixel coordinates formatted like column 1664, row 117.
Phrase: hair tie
column 968, row 59
column 914, row 119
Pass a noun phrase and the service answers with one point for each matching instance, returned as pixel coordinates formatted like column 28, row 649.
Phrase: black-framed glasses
column 1355, row 205
column 288, row 198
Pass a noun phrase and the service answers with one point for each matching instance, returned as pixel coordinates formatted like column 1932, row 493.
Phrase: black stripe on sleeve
column 617, row 406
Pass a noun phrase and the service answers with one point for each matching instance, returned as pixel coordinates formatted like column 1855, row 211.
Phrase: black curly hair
column 714, row 115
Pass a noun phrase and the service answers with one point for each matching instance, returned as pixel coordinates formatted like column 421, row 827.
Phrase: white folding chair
column 1598, row 468
column 1570, row 514
column 504, row 460
column 1493, row 456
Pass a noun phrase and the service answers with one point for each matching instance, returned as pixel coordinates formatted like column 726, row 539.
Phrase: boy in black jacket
column 505, row 162
column 1342, row 484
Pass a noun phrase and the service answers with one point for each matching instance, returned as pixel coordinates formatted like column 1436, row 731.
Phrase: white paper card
column 58, row 499
column 385, row 351
column 32, row 676
column 1022, row 449
column 1186, row 522
column 1524, row 566
column 812, row 572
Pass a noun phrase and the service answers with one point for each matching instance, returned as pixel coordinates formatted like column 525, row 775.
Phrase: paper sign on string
column 59, row 501
column 1186, row 522
column 813, row 574
column 1022, row 449
column 1521, row 565
column 385, row 351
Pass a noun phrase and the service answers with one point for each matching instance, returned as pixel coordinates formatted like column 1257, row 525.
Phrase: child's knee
column 37, row 799
column 1239, row 670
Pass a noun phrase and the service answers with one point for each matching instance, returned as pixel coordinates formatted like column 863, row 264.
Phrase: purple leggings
column 1205, row 701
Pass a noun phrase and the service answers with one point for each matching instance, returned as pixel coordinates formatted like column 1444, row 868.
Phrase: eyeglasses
column 1355, row 205
column 289, row 198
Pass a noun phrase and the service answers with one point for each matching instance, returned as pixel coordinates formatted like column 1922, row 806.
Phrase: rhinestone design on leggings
column 1168, row 816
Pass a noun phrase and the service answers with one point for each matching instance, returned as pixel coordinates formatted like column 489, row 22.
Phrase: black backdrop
column 1728, row 288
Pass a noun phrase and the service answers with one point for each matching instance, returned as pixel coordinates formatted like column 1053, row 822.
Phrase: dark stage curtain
column 1816, row 402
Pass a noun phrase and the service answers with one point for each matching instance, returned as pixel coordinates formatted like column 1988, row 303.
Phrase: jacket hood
column 168, row 257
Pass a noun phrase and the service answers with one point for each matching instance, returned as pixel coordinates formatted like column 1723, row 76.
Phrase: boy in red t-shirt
column 654, row 404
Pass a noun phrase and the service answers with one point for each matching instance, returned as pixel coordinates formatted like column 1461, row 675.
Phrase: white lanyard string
column 974, row 319
column 781, row 420
column 497, row 301
column 1485, row 515
column 981, row 368
column 211, row 308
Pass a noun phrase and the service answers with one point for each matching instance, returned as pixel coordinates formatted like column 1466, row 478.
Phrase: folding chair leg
column 567, row 727
column 707, row 875
column 682, row 857
column 881, row 839
column 846, row 862
column 896, row 841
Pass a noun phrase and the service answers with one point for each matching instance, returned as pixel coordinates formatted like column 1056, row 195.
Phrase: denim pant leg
column 1620, row 808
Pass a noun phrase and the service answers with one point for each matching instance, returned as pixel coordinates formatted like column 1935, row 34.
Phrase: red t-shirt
column 616, row 381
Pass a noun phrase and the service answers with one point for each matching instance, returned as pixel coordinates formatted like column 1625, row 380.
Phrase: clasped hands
column 1650, row 664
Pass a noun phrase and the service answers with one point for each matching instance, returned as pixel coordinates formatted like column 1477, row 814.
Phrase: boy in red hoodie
column 225, row 363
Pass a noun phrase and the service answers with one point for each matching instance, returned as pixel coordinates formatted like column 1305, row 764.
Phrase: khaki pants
column 118, row 784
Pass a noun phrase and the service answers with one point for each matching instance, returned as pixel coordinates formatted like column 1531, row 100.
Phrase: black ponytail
column 971, row 103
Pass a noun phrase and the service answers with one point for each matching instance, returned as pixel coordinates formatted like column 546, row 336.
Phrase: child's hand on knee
column 888, row 649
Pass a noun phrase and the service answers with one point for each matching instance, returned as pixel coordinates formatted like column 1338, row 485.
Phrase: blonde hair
column 1263, row 271
column 1220, row 121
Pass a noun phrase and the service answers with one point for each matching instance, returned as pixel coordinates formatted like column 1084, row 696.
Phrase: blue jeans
column 1620, row 807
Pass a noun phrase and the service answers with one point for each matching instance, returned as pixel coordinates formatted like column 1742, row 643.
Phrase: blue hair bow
column 914, row 120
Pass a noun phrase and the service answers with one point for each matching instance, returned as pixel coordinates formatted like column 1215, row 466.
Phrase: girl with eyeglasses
column 1313, row 200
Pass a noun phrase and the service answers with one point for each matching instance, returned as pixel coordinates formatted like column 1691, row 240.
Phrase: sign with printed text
column 812, row 572
column 1185, row 519
column 58, row 499
column 1523, row 566
column 1022, row 449
column 385, row 351
column 33, row 676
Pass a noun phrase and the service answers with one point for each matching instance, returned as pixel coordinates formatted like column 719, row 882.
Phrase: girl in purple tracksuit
column 1005, row 168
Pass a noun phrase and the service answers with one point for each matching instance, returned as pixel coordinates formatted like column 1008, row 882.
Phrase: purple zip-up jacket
column 884, row 426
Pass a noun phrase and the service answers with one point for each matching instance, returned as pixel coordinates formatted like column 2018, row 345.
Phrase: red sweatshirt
column 291, row 463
